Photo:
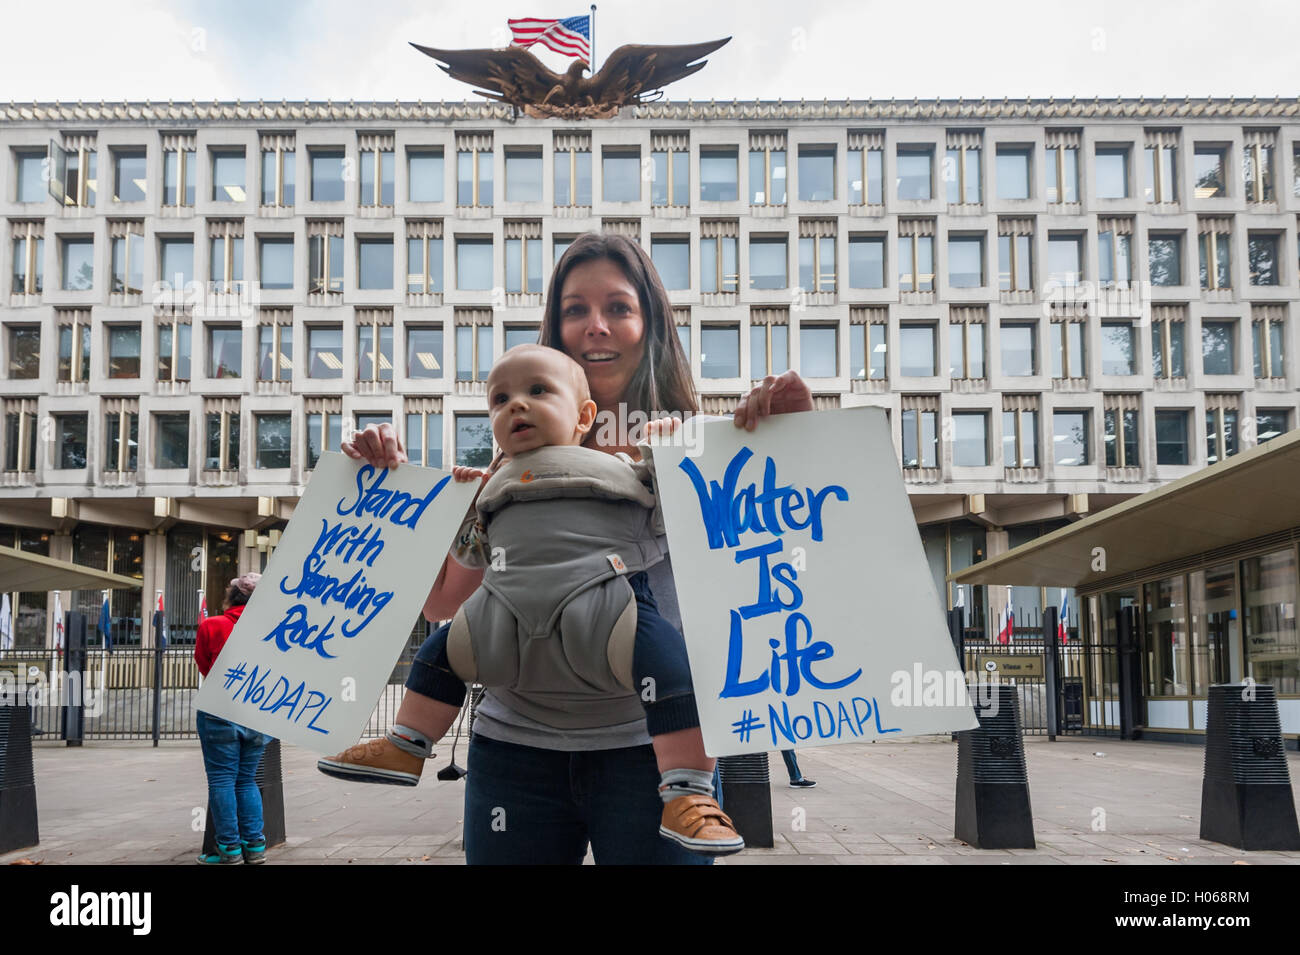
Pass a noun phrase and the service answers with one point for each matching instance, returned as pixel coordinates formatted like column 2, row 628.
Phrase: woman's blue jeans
column 231, row 754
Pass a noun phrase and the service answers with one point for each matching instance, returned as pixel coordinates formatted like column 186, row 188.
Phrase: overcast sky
column 344, row 49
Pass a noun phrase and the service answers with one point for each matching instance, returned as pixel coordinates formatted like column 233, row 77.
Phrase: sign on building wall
column 807, row 605
column 316, row 644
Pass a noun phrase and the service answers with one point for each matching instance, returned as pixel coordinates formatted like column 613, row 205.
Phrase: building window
column 1258, row 169
column 767, row 177
column 670, row 183
column 559, row 245
column 1070, row 437
column 278, row 175
column 176, row 262
column 684, row 338
column 1014, row 172
column 720, row 351
column 122, row 441
column 20, row 437
column 275, row 351
column 1220, row 434
column 1167, row 348
column 78, row 263
column 1216, row 262
column 274, row 440
column 1019, row 357
column 325, row 351
column 473, row 264
column 915, row 172
column 672, row 259
column 916, row 263
column 1062, row 174
column 174, row 350
column 424, row 175
column 817, row 263
column 768, row 262
column 1271, row 423
column 1068, row 357
column 819, row 351
column 377, row 178
column 424, row 438
column 1171, row 437
column 473, row 440
column 1264, row 260
column 1016, row 263
column 916, row 350
column 1209, row 166
column 226, row 262
column 866, row 177
column 1165, row 638
column 24, row 351
column 1118, row 348
column 424, row 265
column 961, row 175
column 1112, row 172
column 123, row 351
column 1162, row 173
column 524, row 175
column 172, row 437
column 275, row 262
column 473, row 352
column 620, row 171
column 374, row 363
column 866, row 261
column 1218, row 351
column 1122, row 438
column 225, row 351
column 769, row 349
column 327, row 168
column 70, row 441
column 719, row 271
column 868, row 351
column 221, row 440
column 719, row 174
column 970, row 439
column 1267, row 341
column 29, row 262
column 965, row 261
column 129, row 175
column 424, row 351
column 1269, row 600
column 73, row 180
column 324, row 433
column 1114, row 258
column 816, row 173
column 524, row 265
column 178, row 177
column 324, row 263
column 520, row 335
column 375, row 263
column 1165, row 258
column 572, row 177
column 31, row 177
column 1065, row 258
column 74, row 349
column 1020, row 438
column 920, row 439
column 966, row 349
column 228, row 176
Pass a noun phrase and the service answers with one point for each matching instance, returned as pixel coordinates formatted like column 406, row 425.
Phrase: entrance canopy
column 1249, row 495
column 32, row 572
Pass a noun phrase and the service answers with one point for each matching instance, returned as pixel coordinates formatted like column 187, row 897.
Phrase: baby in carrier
column 564, row 627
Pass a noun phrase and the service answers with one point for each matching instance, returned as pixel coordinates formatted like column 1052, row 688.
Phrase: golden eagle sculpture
column 631, row 75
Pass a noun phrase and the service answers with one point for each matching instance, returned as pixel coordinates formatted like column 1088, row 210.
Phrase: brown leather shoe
column 698, row 823
column 378, row 761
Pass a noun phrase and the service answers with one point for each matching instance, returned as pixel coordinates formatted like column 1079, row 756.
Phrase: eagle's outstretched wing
column 512, row 73
column 639, row 67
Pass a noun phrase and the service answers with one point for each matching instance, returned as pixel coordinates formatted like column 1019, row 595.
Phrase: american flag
column 570, row 36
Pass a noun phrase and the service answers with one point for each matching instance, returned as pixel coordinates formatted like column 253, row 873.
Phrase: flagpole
column 591, row 67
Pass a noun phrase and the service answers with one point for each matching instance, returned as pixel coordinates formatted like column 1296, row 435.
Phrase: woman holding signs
column 535, row 793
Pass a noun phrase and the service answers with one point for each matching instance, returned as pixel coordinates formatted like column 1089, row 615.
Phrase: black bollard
column 993, row 810
column 1246, row 798
column 270, row 782
column 18, row 826
column 747, row 797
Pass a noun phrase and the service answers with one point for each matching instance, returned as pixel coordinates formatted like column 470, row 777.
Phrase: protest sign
column 808, row 608
column 316, row 643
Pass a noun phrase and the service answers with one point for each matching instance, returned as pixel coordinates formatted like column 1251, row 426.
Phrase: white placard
column 807, row 604
column 317, row 642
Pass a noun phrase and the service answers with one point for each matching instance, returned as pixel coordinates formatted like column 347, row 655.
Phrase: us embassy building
column 1060, row 305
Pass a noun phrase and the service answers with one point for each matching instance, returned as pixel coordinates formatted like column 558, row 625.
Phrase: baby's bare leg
column 683, row 749
column 429, row 716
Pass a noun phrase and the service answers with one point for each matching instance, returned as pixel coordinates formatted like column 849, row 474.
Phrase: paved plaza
column 1095, row 801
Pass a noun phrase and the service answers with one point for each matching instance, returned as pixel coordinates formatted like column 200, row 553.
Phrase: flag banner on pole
column 570, row 36
column 160, row 623
column 203, row 606
column 1006, row 621
column 6, row 624
column 58, row 622
column 1063, row 623
column 106, row 624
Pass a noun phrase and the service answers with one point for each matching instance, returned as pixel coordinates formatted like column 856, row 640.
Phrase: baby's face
column 534, row 401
